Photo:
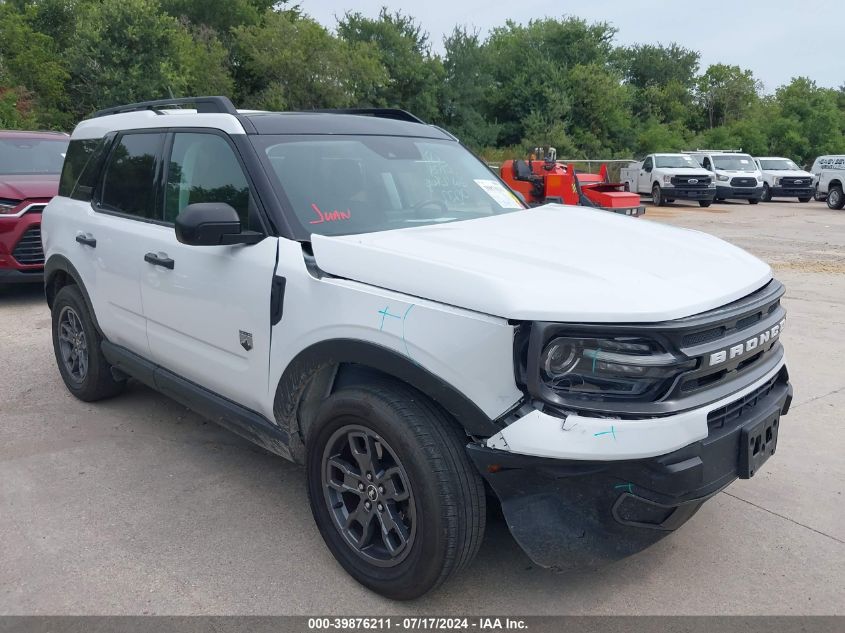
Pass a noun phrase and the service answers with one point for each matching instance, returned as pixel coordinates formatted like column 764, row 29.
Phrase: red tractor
column 545, row 181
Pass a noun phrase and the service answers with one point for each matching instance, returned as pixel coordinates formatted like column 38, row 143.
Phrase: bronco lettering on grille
column 735, row 351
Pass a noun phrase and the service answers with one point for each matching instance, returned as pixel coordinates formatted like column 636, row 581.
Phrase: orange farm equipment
column 549, row 181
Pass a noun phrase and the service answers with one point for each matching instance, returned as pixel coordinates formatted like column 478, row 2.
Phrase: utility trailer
column 552, row 181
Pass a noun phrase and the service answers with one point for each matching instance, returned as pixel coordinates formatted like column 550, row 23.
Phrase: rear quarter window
column 79, row 172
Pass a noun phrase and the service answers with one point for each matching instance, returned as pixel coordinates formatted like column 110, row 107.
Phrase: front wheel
column 804, row 200
column 704, row 203
column 767, row 193
column 657, row 196
column 835, row 199
column 392, row 489
column 752, row 201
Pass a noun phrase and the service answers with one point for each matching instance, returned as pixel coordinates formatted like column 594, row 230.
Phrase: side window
column 77, row 157
column 706, row 164
column 647, row 165
column 203, row 168
column 129, row 180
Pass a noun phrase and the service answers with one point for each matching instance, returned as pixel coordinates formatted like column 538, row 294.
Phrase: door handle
column 87, row 240
column 155, row 260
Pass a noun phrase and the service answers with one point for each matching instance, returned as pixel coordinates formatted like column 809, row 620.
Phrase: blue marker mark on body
column 386, row 313
column 612, row 432
column 628, row 487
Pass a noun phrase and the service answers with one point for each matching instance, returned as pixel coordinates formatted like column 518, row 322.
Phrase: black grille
column 718, row 418
column 743, row 182
column 691, row 181
column 28, row 250
column 794, row 181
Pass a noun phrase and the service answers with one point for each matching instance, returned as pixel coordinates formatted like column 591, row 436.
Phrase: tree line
column 560, row 82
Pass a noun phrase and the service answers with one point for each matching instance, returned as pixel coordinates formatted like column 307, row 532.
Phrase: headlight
column 6, row 206
column 776, row 182
column 667, row 180
column 623, row 368
column 723, row 178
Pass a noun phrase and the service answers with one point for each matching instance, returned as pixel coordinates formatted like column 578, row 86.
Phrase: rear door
column 125, row 215
column 208, row 316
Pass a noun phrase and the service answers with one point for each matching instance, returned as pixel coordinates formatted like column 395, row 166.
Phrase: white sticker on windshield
column 502, row 196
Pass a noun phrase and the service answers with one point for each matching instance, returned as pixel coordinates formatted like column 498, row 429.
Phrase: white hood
column 552, row 263
column 780, row 173
column 687, row 171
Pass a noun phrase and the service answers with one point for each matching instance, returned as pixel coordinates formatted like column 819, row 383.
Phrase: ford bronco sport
column 355, row 291
column 30, row 163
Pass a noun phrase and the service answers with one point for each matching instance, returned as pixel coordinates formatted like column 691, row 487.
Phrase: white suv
column 736, row 174
column 357, row 292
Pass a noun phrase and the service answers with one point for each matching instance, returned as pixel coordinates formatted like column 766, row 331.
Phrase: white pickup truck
column 670, row 177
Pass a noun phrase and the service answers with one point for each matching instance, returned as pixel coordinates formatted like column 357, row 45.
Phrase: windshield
column 676, row 161
column 734, row 162
column 31, row 156
column 359, row 184
column 782, row 164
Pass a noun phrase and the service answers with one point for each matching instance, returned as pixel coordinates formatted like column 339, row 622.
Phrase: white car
column 356, row 292
column 670, row 177
column 829, row 176
column 782, row 178
column 736, row 174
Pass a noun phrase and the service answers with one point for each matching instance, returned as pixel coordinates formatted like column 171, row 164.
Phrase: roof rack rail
column 204, row 105
column 712, row 151
column 381, row 113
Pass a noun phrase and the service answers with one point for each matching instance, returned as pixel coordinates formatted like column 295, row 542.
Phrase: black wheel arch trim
column 373, row 356
column 60, row 264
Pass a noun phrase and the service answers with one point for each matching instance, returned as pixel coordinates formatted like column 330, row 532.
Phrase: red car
column 30, row 164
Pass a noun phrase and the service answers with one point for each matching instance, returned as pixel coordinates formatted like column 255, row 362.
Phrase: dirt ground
column 136, row 505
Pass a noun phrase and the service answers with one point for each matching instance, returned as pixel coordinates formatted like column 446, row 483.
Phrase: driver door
column 644, row 183
column 208, row 307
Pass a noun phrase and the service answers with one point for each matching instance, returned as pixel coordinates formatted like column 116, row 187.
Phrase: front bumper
column 20, row 237
column 575, row 513
column 744, row 193
column 793, row 192
column 677, row 193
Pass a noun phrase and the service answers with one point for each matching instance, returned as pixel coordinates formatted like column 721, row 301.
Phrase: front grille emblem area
column 246, row 339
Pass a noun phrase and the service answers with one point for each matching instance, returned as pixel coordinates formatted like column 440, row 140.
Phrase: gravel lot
column 136, row 505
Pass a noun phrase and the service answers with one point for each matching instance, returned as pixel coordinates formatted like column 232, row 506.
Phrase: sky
column 776, row 39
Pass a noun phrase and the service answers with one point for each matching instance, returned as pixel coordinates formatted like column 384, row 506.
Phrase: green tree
column 600, row 112
column 32, row 72
column 414, row 75
column 726, row 93
column 465, row 89
column 289, row 61
column 220, row 15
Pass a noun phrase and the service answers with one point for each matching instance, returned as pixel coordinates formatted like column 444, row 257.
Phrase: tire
column 752, row 201
column 804, row 200
column 704, row 203
column 627, row 187
column 670, row 201
column 657, row 196
column 767, row 193
column 436, row 531
column 835, row 199
column 76, row 344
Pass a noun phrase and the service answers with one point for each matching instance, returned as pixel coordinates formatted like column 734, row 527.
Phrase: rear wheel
column 76, row 344
column 657, row 196
column 767, row 193
column 835, row 199
column 392, row 490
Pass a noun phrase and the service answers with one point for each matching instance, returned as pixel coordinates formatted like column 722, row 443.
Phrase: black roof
column 335, row 123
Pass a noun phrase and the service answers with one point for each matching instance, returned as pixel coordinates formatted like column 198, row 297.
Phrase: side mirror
column 212, row 224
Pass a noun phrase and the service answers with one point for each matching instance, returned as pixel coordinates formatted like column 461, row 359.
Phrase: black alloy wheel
column 369, row 496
